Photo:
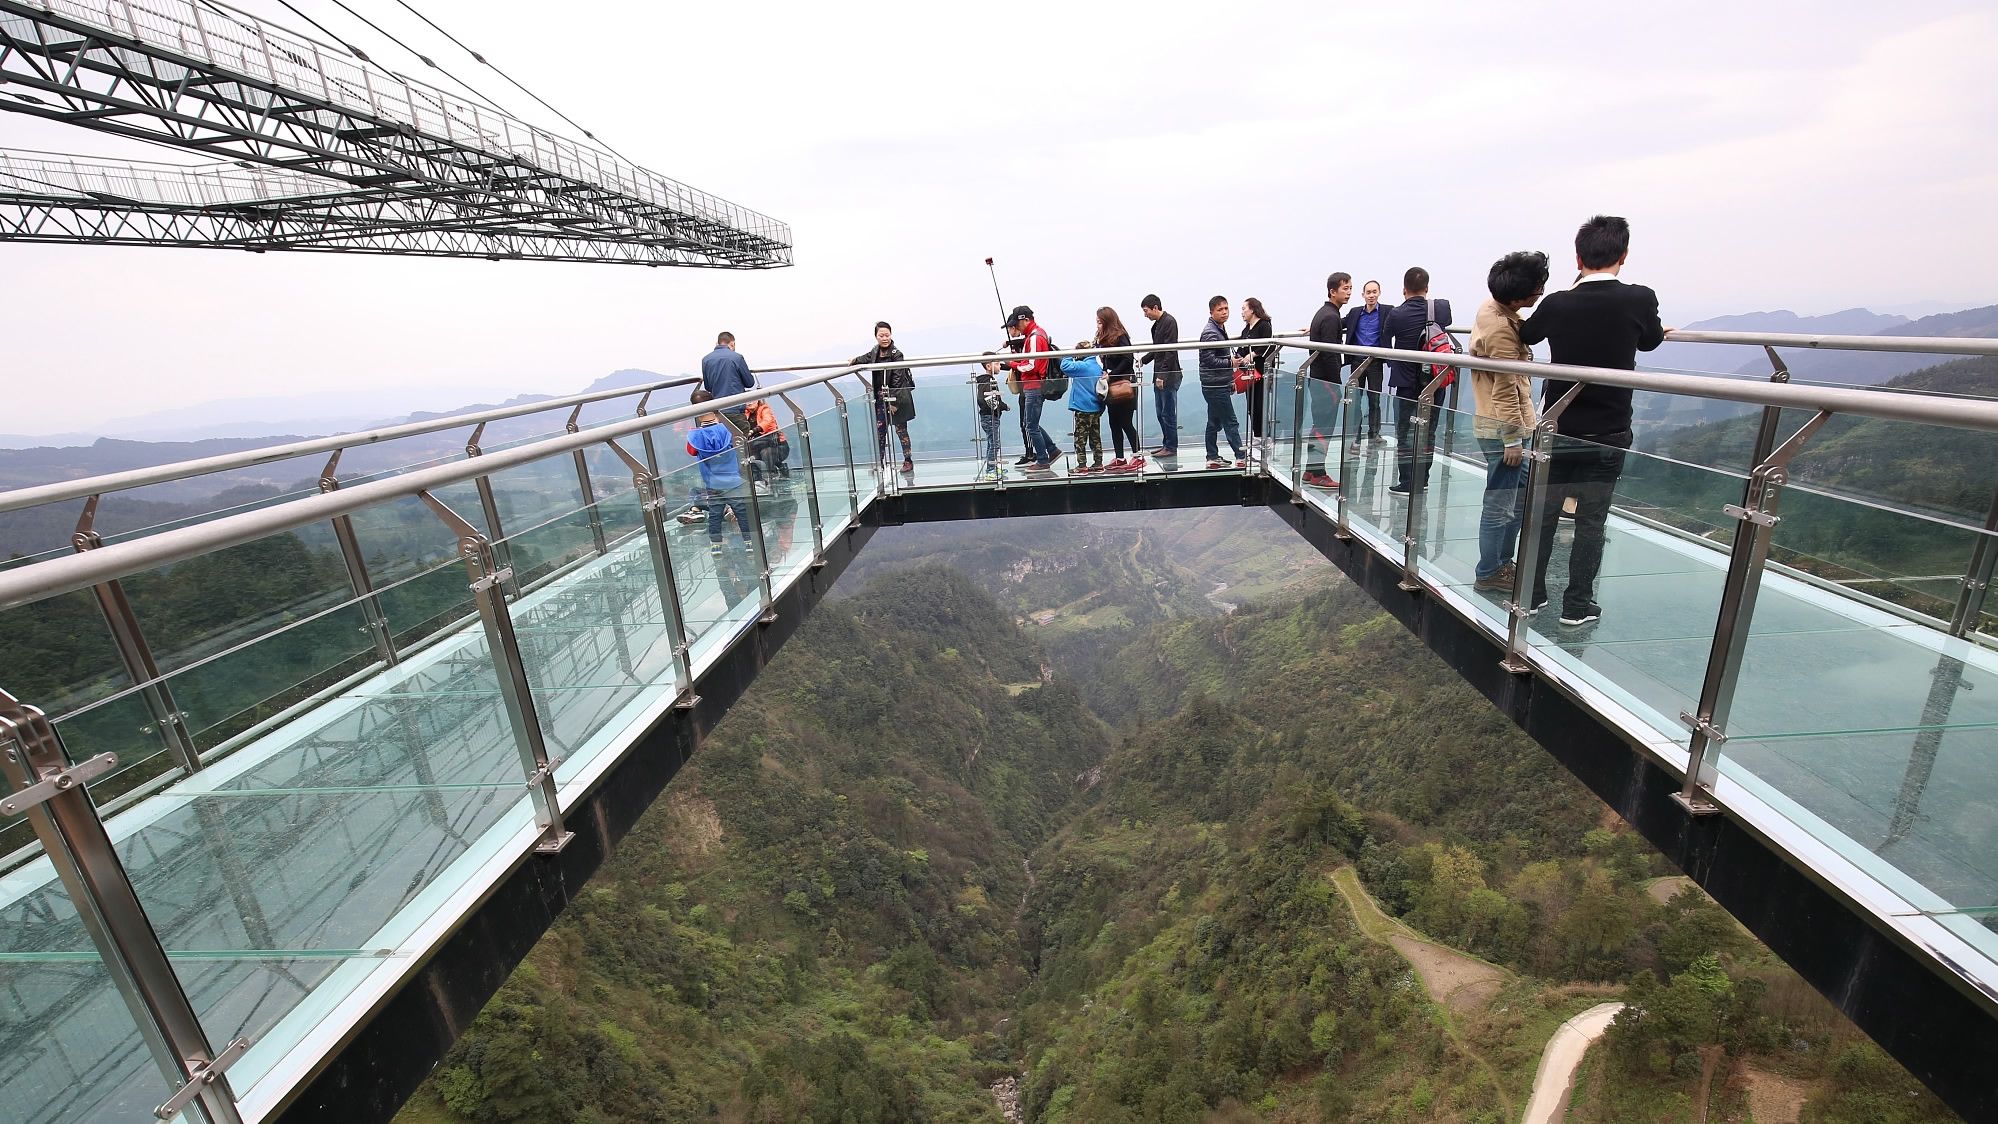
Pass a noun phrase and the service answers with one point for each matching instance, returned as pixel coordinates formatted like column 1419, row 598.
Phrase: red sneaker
column 1319, row 480
column 1118, row 465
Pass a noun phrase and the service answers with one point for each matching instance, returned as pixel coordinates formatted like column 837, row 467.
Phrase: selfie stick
column 995, row 286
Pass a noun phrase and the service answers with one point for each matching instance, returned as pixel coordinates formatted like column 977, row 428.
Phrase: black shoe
column 1025, row 459
column 1398, row 489
column 1587, row 614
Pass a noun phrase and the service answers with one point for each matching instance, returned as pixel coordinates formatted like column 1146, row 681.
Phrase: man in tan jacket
column 1505, row 417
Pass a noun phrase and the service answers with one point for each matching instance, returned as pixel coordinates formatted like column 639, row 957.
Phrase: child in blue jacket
column 1086, row 402
column 713, row 444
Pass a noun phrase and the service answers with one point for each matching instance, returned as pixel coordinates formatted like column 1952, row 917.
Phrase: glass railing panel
column 1372, row 467
column 537, row 551
column 1162, row 408
column 74, row 1052
column 615, row 494
column 232, row 691
column 1657, row 591
column 59, row 655
column 214, row 602
column 1915, row 561
column 714, row 558
column 826, row 468
column 1319, row 430
column 1282, row 416
column 947, row 438
column 860, row 434
column 781, row 501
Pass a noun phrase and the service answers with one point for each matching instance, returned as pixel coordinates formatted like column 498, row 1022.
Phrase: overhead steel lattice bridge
column 264, row 860
column 310, row 148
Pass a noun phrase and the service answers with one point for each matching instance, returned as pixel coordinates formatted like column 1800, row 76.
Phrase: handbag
column 1246, row 377
column 1122, row 391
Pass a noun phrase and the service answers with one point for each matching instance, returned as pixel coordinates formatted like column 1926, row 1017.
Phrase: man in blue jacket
column 1364, row 327
column 724, row 373
column 712, row 443
column 1403, row 330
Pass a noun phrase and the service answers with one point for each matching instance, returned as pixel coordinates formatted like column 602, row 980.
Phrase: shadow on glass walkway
column 291, row 786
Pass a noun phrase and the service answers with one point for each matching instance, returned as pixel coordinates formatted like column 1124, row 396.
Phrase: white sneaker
column 762, row 489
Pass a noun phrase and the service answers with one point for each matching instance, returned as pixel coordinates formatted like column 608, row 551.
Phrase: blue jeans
column 1498, row 523
column 1038, row 441
column 988, row 424
column 731, row 498
column 1167, row 404
column 1221, row 416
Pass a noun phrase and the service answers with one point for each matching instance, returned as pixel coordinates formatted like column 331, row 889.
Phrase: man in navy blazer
column 1403, row 330
column 1600, row 322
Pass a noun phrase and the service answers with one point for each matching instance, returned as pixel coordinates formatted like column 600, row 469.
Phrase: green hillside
column 908, row 880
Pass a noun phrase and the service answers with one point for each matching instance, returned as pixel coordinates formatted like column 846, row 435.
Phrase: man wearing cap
column 1032, row 340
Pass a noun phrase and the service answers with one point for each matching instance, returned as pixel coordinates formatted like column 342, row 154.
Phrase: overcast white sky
column 1802, row 155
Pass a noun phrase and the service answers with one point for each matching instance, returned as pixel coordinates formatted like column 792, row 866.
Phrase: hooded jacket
column 1082, row 374
column 1032, row 340
column 713, row 445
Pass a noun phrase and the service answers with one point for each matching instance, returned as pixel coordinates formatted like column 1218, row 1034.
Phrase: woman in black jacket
column 1256, row 326
column 1120, row 399
column 894, row 395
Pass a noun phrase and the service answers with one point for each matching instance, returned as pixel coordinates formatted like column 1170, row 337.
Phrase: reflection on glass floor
column 1874, row 734
column 283, row 877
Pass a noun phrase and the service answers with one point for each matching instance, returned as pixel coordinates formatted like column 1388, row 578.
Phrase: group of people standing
column 1599, row 322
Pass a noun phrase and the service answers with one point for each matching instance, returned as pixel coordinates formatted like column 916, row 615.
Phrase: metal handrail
column 61, row 490
column 80, row 571
column 58, row 491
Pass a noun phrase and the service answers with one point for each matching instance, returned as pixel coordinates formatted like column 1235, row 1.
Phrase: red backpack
column 1434, row 338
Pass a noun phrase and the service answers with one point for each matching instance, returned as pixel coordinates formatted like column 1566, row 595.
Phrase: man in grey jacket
column 1217, row 386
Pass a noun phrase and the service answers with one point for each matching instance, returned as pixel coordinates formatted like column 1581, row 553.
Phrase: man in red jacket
column 1032, row 372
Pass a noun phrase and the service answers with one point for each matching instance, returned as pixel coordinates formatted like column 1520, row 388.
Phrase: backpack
column 1054, row 384
column 1435, row 339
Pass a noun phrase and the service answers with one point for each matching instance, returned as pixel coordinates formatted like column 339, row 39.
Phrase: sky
column 1809, row 156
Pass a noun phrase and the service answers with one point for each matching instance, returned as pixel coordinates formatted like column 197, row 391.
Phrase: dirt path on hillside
column 1772, row 1097
column 1458, row 982
column 1662, row 890
column 1555, row 1079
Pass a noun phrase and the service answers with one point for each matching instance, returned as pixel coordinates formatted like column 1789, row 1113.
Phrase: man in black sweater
column 1166, row 374
column 1327, row 326
column 1601, row 322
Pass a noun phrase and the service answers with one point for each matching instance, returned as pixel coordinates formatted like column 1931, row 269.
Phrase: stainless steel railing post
column 51, row 790
column 1423, row 452
column 1348, row 461
column 652, row 504
column 651, row 451
column 135, row 654
column 489, row 511
column 589, row 490
column 1756, row 518
column 846, row 446
column 1519, row 608
column 516, row 691
column 1977, row 577
column 356, row 563
column 811, row 482
column 1297, row 429
column 764, row 593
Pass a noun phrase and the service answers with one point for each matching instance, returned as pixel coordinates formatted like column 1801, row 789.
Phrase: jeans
column 1038, row 441
column 1220, row 416
column 988, row 424
column 1588, row 470
column 1371, row 383
column 1324, row 399
column 1411, row 462
column 1166, row 401
column 718, row 499
column 1498, row 523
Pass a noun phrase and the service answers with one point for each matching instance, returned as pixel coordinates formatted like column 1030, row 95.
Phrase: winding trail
column 1562, row 1058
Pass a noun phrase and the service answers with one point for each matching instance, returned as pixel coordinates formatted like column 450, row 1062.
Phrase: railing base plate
column 1696, row 805
column 554, row 846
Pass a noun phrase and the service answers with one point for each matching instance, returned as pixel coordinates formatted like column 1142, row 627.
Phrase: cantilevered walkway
column 274, row 853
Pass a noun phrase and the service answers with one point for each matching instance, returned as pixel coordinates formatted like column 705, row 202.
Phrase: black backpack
column 1054, row 384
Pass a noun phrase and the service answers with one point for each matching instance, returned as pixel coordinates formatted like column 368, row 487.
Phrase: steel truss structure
column 321, row 153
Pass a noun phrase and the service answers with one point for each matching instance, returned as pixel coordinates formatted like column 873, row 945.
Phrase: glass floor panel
column 1876, row 734
column 284, row 876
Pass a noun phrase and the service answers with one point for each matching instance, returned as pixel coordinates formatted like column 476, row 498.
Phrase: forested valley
column 1120, row 819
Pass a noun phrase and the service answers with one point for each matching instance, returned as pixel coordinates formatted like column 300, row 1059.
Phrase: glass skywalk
column 317, row 785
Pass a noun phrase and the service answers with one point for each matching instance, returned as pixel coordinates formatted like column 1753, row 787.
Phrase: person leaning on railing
column 1505, row 415
column 1601, row 322
column 894, row 395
